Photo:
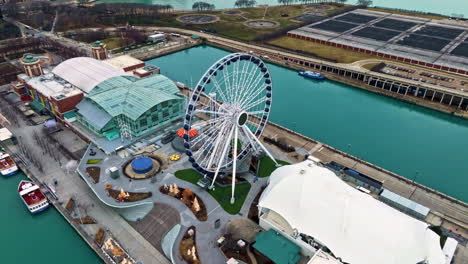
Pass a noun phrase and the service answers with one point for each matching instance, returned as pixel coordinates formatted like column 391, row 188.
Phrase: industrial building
column 437, row 44
column 311, row 206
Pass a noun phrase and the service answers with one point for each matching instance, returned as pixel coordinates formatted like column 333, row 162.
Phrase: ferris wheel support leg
column 217, row 142
column 260, row 143
column 223, row 154
column 234, row 164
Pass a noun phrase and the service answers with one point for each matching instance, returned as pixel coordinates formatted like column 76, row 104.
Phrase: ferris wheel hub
column 242, row 118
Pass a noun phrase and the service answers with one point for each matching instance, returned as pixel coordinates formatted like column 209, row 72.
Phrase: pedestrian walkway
column 71, row 186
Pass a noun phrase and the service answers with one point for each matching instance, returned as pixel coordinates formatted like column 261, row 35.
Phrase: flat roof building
column 125, row 62
column 85, row 73
column 52, row 92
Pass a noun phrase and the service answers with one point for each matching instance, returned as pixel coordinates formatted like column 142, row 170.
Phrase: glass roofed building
column 129, row 106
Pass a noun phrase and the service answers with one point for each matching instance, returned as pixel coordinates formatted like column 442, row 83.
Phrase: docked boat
column 32, row 197
column 7, row 164
column 312, row 75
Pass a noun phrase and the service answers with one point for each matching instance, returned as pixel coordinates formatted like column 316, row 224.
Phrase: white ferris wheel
column 231, row 103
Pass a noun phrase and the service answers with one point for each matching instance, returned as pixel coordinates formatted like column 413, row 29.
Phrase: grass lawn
column 397, row 12
column 267, row 166
column 221, row 194
column 113, row 43
column 233, row 25
column 229, row 25
column 370, row 66
column 93, row 161
column 333, row 53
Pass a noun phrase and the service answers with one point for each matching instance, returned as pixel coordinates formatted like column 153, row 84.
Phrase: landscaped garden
column 94, row 173
column 233, row 25
column 221, row 194
column 188, row 247
column 267, row 166
column 189, row 198
column 122, row 196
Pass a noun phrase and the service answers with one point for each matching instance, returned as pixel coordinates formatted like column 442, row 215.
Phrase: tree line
column 203, row 6
column 365, row 3
column 291, row 2
column 245, row 3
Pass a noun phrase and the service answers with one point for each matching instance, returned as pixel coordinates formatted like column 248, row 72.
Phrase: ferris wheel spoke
column 252, row 97
column 256, row 85
column 221, row 113
column 205, row 146
column 252, row 136
column 206, row 152
column 247, row 136
column 223, row 154
column 244, row 76
column 235, row 80
column 208, row 145
column 218, row 88
column 255, row 103
column 256, row 112
column 227, row 84
column 254, row 75
column 209, row 100
column 246, row 86
column 209, row 122
column 219, row 138
column 207, row 133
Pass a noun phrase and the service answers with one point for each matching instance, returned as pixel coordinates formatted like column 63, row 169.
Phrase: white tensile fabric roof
column 353, row 225
column 85, row 73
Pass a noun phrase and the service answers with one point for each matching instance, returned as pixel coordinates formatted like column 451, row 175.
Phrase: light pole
column 414, row 181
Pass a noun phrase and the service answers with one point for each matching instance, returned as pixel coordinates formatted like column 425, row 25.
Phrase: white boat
column 32, row 197
column 7, row 164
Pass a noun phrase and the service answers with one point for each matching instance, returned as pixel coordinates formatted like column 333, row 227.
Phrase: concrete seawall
column 89, row 240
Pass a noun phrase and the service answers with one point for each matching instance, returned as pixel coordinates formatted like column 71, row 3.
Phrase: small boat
column 32, row 197
column 7, row 164
column 312, row 75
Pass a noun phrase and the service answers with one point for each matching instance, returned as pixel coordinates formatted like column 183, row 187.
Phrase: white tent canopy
column 85, row 73
column 354, row 226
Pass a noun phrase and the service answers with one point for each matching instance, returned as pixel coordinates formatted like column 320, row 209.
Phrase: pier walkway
column 70, row 185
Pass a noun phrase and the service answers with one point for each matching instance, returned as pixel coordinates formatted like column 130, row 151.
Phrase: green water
column 406, row 139
column 43, row 238
column 447, row 7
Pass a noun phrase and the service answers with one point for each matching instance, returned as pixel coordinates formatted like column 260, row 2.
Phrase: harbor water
column 43, row 238
column 418, row 143
column 449, row 7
